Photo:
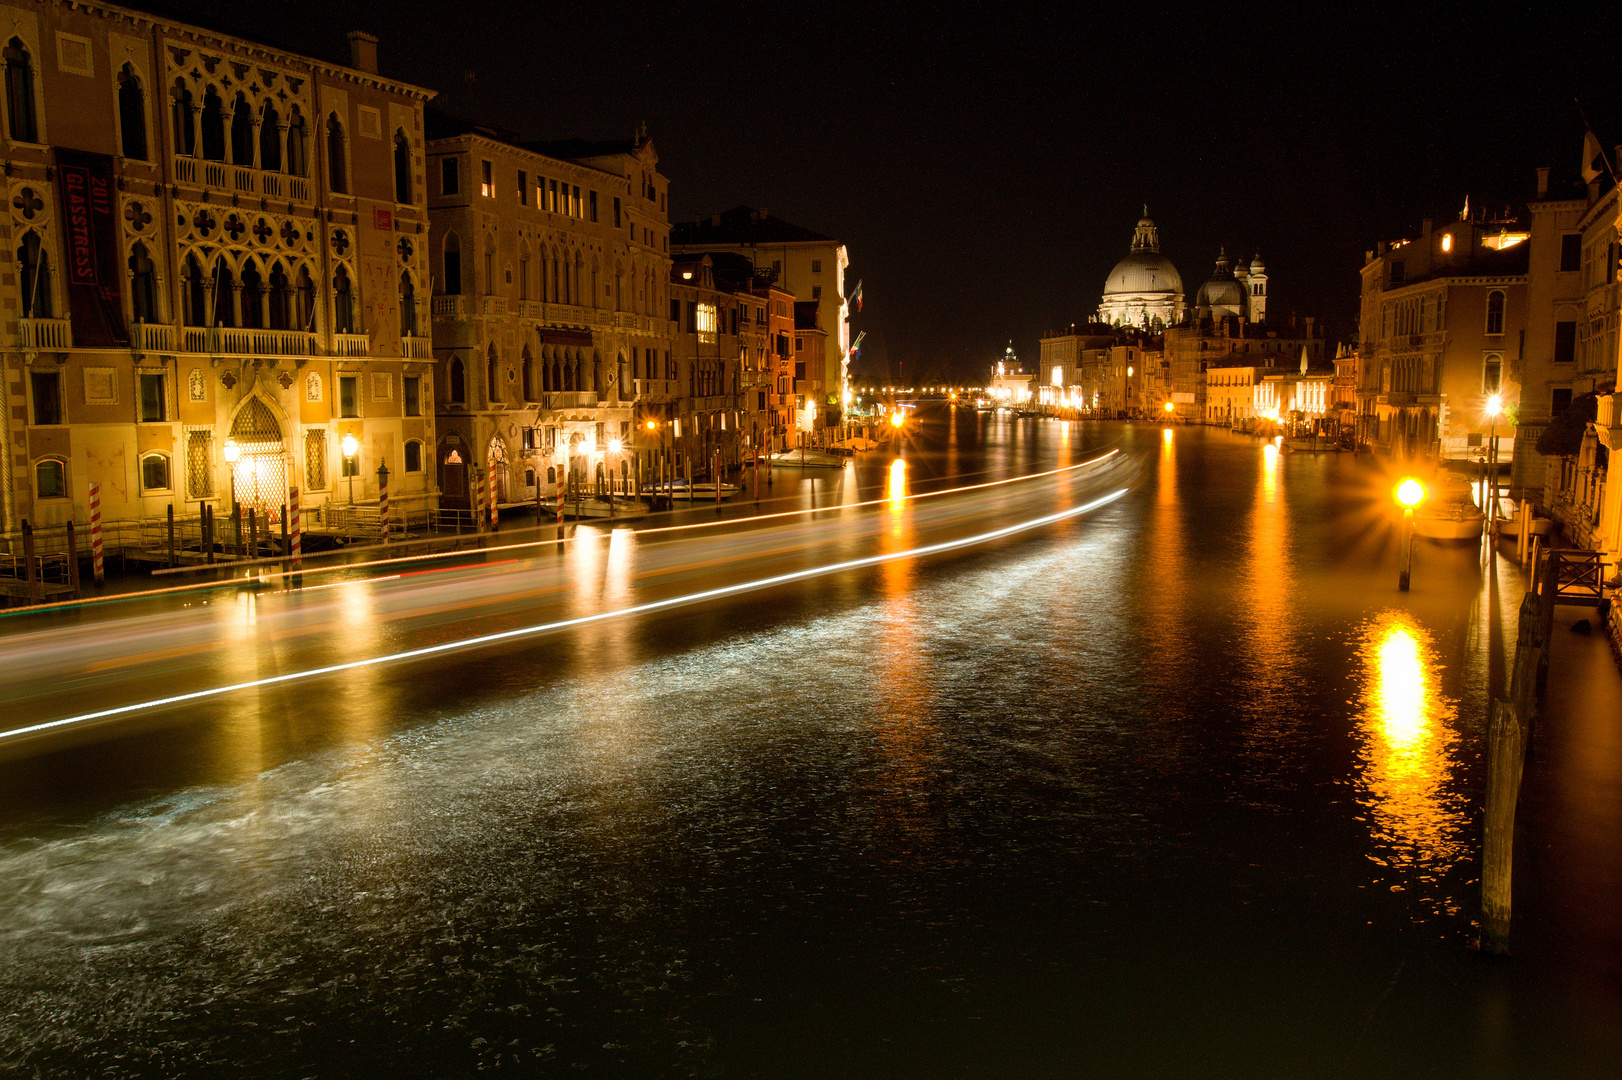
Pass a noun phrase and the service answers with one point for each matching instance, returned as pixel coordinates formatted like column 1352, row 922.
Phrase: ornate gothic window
column 270, row 139
column 143, row 286
column 336, row 176
column 131, row 114
column 20, row 105
column 343, row 303
column 402, row 168
column 253, row 296
column 224, row 295
column 194, row 293
column 298, row 155
column 458, row 377
column 242, row 132
column 213, row 124
column 304, row 301
column 280, row 295
column 408, row 307
column 34, row 262
column 180, row 106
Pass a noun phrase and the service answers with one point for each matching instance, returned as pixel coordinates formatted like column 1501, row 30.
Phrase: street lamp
column 350, row 446
column 232, row 453
column 614, row 446
column 1410, row 493
column 1495, row 406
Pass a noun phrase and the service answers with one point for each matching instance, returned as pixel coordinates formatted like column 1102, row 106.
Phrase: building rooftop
column 743, row 225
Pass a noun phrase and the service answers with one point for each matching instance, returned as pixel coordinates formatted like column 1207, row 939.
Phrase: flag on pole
column 1593, row 158
column 856, row 297
column 856, row 346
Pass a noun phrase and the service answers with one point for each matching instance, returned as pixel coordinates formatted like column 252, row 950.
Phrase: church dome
column 1143, row 273
column 1222, row 295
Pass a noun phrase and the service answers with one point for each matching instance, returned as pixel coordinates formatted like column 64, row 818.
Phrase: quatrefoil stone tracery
column 27, row 203
column 137, row 216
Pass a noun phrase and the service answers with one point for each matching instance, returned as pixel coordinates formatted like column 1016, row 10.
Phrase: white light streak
column 565, row 624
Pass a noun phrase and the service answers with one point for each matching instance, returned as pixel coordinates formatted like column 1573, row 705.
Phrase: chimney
column 363, row 51
column 1425, row 227
column 1543, row 182
column 1311, row 319
column 715, row 221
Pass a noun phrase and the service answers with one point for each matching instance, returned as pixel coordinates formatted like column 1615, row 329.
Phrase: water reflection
column 1269, row 584
column 1409, row 753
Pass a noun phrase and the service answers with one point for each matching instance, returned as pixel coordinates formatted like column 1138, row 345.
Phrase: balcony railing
column 494, row 305
column 152, row 337
column 44, row 334
column 570, row 399
column 350, row 345
column 654, row 389
column 220, row 174
column 417, row 348
column 246, row 341
column 450, row 306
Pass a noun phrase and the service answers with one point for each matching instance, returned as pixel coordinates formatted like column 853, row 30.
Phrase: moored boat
column 1449, row 513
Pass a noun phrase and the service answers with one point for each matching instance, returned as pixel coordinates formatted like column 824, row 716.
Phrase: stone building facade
column 209, row 240
column 550, row 311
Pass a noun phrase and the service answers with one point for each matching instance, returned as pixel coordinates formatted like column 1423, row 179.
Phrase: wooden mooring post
column 171, row 534
column 73, row 560
column 30, row 568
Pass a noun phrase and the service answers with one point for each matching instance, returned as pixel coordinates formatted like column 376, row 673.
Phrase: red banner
column 90, row 245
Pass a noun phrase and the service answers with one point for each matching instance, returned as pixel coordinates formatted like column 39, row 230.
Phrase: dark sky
column 986, row 165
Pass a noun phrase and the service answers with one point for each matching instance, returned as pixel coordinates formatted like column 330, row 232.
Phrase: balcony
column 452, row 306
column 44, row 334
column 219, row 174
column 244, row 341
column 655, row 389
column 351, row 345
column 417, row 348
column 493, row 305
column 152, row 337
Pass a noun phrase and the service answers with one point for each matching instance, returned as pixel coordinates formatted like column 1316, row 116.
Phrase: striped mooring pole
column 383, row 500
column 478, row 498
column 296, row 540
column 563, row 488
column 98, row 568
column 492, row 489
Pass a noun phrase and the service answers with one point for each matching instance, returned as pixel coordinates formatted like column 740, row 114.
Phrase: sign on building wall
column 90, row 247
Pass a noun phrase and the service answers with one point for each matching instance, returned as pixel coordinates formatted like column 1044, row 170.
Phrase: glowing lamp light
column 614, row 446
column 1495, row 405
column 1170, row 406
column 652, row 424
column 896, row 419
column 1410, row 493
column 1447, row 242
column 350, row 445
column 232, row 451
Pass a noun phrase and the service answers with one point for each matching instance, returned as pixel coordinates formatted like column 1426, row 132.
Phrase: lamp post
column 350, row 445
column 1495, row 406
column 1410, row 493
column 232, row 453
column 1170, row 409
column 614, row 446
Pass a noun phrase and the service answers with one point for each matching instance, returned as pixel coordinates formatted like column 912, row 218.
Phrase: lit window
column 155, row 472
column 50, row 479
column 1447, row 241
column 487, row 183
column 706, row 322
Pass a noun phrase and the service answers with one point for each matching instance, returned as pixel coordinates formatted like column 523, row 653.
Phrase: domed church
column 1238, row 291
column 1144, row 290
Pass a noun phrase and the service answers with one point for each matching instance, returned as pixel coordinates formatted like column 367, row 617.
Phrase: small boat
column 1450, row 513
column 1512, row 526
column 811, row 459
column 1318, row 445
column 704, row 489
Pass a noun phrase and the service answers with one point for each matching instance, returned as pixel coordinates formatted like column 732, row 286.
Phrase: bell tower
column 1256, row 292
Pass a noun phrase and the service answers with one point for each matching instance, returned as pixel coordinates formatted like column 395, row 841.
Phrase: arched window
column 51, row 479
column 280, row 296
column 143, row 286
column 336, row 177
column 408, row 307
column 304, row 301
column 556, row 284
column 132, row 114
column 270, row 139
column 596, row 374
column 1495, row 312
column 343, row 303
column 194, row 293
column 224, row 295
column 453, row 265
column 20, row 92
column 298, row 153
column 155, row 472
column 458, row 381
column 242, row 132
column 523, row 271
column 492, row 375
column 180, row 110
column 402, row 168
column 551, row 475
column 413, row 456
column 213, row 124
column 528, row 375
column 1492, row 374
column 36, row 277
column 253, row 297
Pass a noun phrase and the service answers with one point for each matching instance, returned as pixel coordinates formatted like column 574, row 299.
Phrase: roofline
column 258, row 48
column 472, row 136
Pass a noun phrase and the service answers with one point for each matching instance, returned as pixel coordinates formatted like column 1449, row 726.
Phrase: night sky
column 986, row 166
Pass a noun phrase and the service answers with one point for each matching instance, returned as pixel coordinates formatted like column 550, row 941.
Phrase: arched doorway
column 260, row 473
column 453, row 466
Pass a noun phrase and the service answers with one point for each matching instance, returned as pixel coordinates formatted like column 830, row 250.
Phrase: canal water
column 1181, row 788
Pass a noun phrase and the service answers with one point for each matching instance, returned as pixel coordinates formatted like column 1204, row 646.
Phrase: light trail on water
column 565, row 624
